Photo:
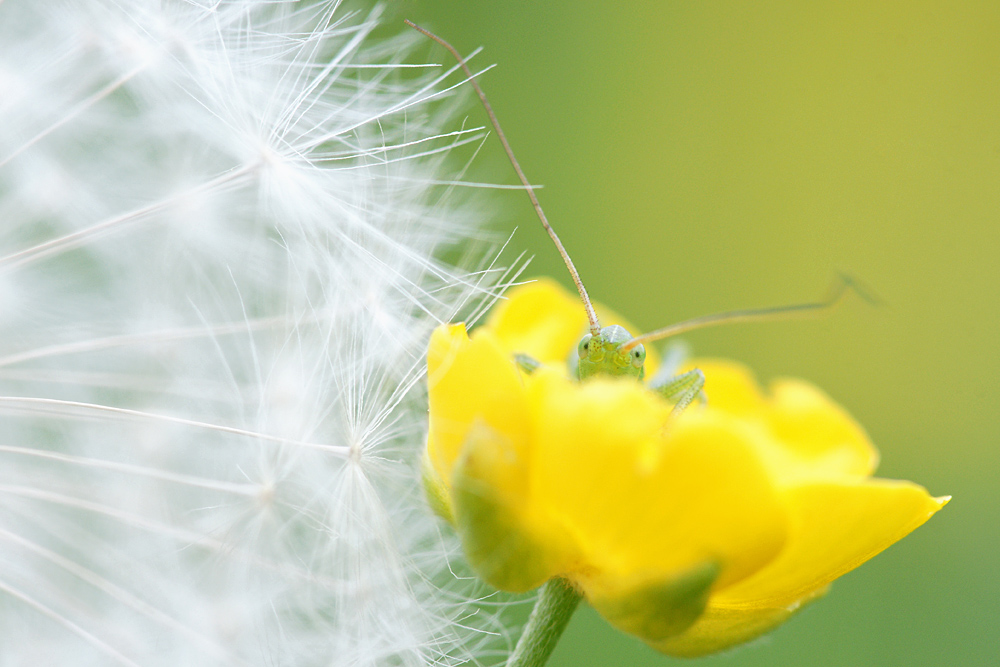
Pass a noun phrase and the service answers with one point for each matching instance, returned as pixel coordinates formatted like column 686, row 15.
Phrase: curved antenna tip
column 836, row 292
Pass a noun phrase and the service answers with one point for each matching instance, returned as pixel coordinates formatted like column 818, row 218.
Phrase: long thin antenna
column 595, row 326
column 837, row 292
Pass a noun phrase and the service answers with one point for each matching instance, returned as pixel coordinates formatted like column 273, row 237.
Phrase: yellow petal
column 729, row 386
column 539, row 319
column 640, row 504
column 835, row 526
column 803, row 433
column 469, row 381
column 823, row 439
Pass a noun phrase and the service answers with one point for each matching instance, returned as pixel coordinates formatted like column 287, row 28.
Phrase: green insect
column 612, row 350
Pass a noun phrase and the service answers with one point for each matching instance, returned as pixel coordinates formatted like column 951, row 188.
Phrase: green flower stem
column 555, row 606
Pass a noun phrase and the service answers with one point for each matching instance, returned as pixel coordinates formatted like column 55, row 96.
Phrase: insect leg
column 674, row 356
column 682, row 390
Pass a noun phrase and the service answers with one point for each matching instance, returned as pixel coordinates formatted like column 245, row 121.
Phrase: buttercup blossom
column 693, row 538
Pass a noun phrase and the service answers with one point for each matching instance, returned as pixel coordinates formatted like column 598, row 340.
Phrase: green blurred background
column 705, row 156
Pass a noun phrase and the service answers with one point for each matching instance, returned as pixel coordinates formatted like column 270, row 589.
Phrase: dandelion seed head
column 218, row 271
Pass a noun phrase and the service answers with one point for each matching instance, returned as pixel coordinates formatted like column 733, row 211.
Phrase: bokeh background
column 699, row 157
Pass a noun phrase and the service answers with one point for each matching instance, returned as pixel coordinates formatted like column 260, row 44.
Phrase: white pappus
column 221, row 224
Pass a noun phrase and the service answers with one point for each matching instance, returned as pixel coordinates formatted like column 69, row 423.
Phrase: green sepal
column 663, row 608
column 494, row 537
column 435, row 490
column 721, row 628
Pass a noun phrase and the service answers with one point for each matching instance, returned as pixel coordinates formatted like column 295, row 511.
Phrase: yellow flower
column 693, row 538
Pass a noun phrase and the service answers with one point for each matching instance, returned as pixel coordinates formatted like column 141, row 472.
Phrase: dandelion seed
column 218, row 274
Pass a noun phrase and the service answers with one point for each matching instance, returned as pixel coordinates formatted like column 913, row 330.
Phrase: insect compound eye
column 638, row 356
column 584, row 346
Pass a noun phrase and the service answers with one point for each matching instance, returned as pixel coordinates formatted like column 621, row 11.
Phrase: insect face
column 602, row 354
